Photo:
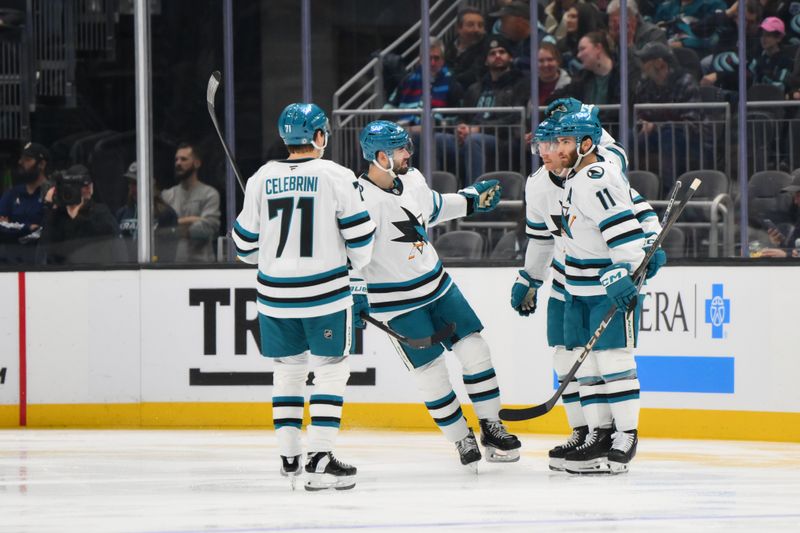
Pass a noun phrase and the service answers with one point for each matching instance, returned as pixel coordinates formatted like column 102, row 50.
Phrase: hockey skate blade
column 618, row 468
column 592, row 467
column 556, row 464
column 317, row 482
column 494, row 455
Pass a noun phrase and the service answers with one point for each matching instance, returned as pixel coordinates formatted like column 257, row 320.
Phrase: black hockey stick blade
column 423, row 342
column 535, row 411
column 211, row 92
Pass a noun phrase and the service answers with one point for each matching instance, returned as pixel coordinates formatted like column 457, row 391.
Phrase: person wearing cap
column 464, row 54
column 664, row 81
column 515, row 24
column 772, row 66
column 502, row 86
column 68, row 227
column 787, row 246
column 22, row 206
column 128, row 214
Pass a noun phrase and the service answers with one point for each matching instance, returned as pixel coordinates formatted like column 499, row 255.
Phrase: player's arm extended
column 246, row 227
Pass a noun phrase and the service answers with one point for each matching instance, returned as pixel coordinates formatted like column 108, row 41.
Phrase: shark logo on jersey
column 595, row 172
column 413, row 231
column 565, row 222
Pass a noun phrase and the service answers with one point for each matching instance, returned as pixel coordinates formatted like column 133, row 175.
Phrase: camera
column 69, row 185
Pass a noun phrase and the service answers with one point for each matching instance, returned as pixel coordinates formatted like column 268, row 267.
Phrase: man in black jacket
column 73, row 220
column 502, row 86
column 464, row 54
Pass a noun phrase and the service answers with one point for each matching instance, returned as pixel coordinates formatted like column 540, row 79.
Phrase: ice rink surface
column 227, row 481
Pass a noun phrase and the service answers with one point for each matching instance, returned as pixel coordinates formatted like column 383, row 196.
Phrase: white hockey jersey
column 405, row 272
column 302, row 220
column 543, row 194
column 598, row 226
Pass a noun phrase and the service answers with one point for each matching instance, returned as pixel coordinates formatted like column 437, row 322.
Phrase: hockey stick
column 213, row 84
column 664, row 218
column 423, row 342
column 526, row 413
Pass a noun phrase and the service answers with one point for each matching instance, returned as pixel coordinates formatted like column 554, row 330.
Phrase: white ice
column 153, row 481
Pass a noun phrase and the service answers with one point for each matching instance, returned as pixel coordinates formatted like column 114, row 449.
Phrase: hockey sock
column 290, row 375
column 563, row 360
column 618, row 369
column 479, row 376
column 325, row 404
column 592, row 393
column 433, row 382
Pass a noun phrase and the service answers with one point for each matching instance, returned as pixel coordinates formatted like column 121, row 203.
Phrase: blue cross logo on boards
column 718, row 311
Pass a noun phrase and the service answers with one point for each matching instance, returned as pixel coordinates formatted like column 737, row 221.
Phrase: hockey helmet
column 581, row 124
column 383, row 136
column 543, row 137
column 299, row 122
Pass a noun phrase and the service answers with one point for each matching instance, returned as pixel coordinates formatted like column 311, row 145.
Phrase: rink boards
column 176, row 348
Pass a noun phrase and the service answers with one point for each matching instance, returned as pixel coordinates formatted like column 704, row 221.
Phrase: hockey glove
column 618, row 284
column 563, row 106
column 358, row 287
column 658, row 260
column 523, row 294
column 483, row 195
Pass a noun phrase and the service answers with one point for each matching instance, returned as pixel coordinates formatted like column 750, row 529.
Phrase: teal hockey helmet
column 299, row 122
column 581, row 124
column 543, row 137
column 383, row 136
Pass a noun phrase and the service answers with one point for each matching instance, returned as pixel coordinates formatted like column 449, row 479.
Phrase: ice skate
column 623, row 450
column 326, row 472
column 468, row 451
column 290, row 468
column 558, row 453
column 591, row 457
column 500, row 446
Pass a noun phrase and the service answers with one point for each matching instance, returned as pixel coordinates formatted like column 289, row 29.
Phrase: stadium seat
column 646, row 183
column 513, row 183
column 460, row 244
column 506, row 248
column 675, row 244
column 444, row 182
column 765, row 199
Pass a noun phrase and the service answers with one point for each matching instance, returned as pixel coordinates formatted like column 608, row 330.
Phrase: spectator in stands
column 551, row 74
column 664, row 82
column 690, row 23
column 464, row 54
column 128, row 215
column 598, row 82
column 197, row 206
column 503, row 86
column 787, row 246
column 770, row 65
column 640, row 32
column 72, row 218
column 554, row 21
column 515, row 24
column 22, row 206
column 579, row 20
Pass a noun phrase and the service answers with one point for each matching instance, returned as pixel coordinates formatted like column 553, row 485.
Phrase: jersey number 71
column 286, row 207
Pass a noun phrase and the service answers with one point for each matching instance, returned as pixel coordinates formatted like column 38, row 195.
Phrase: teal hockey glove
column 658, row 259
column 619, row 286
column 523, row 294
column 483, row 195
column 358, row 287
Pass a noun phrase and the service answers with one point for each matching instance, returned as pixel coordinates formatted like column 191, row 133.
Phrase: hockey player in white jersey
column 545, row 254
column 603, row 243
column 408, row 287
column 302, row 221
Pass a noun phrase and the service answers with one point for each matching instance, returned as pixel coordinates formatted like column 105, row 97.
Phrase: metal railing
column 366, row 88
column 720, row 223
column 488, row 149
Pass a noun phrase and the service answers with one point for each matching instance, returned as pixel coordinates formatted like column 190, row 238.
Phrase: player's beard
column 571, row 160
column 401, row 167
